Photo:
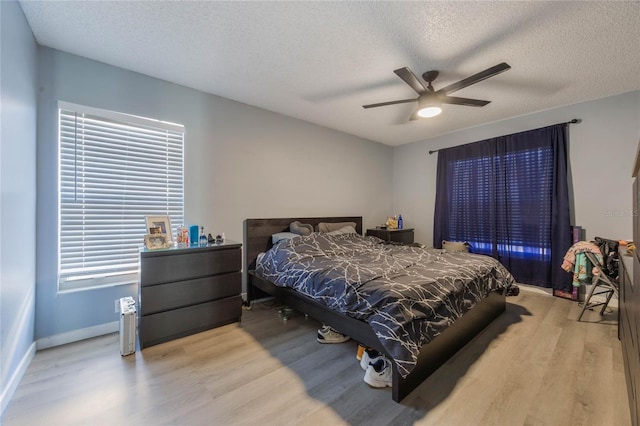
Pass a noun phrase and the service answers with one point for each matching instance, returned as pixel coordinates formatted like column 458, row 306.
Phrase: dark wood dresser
column 629, row 331
column 184, row 291
column 404, row 236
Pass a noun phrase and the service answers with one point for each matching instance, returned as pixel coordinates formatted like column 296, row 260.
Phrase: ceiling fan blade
column 462, row 101
column 402, row 101
column 482, row 75
column 410, row 78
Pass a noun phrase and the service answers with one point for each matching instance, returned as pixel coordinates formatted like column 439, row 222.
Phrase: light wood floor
column 534, row 365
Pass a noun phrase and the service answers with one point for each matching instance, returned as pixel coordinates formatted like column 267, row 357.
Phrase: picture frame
column 156, row 241
column 162, row 222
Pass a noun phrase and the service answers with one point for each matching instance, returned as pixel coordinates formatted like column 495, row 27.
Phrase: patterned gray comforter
column 408, row 295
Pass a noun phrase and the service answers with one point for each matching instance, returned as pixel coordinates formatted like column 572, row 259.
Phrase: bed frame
column 257, row 239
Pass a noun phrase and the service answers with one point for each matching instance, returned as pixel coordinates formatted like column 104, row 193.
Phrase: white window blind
column 115, row 169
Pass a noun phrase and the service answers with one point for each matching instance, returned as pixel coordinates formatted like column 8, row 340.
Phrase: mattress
column 408, row 295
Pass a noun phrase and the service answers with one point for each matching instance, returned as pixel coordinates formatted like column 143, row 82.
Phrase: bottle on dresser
column 399, row 221
column 202, row 240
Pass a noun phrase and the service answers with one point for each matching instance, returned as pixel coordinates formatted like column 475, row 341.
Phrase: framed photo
column 161, row 222
column 156, row 241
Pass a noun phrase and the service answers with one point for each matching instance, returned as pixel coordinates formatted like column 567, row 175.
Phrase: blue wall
column 18, row 89
column 240, row 162
column 602, row 149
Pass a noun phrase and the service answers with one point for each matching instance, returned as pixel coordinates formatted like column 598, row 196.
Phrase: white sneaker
column 328, row 335
column 369, row 356
column 379, row 374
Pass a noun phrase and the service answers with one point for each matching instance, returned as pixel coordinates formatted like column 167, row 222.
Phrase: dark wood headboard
column 257, row 237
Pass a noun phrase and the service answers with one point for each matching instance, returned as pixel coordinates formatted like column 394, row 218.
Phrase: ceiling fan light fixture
column 430, row 100
column 429, row 111
column 429, row 106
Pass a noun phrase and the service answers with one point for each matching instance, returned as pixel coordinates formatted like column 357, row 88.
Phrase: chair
column 605, row 284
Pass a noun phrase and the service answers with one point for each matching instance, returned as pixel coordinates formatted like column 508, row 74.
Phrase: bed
column 430, row 356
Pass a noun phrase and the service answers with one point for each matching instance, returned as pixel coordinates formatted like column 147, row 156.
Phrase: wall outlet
column 117, row 306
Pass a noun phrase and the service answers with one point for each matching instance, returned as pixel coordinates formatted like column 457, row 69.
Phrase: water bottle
column 203, row 238
column 400, row 222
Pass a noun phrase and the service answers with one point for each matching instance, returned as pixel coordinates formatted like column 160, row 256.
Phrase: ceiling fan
column 429, row 100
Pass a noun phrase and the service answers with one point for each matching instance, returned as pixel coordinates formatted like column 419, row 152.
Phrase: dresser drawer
column 162, row 297
column 403, row 236
column 165, row 326
column 179, row 267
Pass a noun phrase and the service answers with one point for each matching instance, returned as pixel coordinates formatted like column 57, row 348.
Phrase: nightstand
column 403, row 236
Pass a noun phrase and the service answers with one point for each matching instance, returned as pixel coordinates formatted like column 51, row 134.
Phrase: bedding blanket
column 408, row 295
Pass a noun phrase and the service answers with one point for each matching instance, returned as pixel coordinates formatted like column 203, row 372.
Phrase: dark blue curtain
column 508, row 197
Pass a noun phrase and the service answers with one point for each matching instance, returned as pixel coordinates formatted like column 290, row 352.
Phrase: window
column 508, row 197
column 114, row 170
column 520, row 184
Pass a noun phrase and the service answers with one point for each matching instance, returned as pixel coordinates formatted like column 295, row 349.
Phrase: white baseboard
column 535, row 289
column 263, row 299
column 14, row 381
column 77, row 335
column 48, row 342
column 547, row 291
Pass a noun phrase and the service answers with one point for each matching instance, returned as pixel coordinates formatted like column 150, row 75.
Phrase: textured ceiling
column 321, row 61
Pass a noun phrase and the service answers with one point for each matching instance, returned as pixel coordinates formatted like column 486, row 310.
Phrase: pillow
column 453, row 246
column 328, row 227
column 282, row 236
column 344, row 230
column 300, row 228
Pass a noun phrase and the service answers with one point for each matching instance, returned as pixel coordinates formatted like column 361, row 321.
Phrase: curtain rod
column 574, row 121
